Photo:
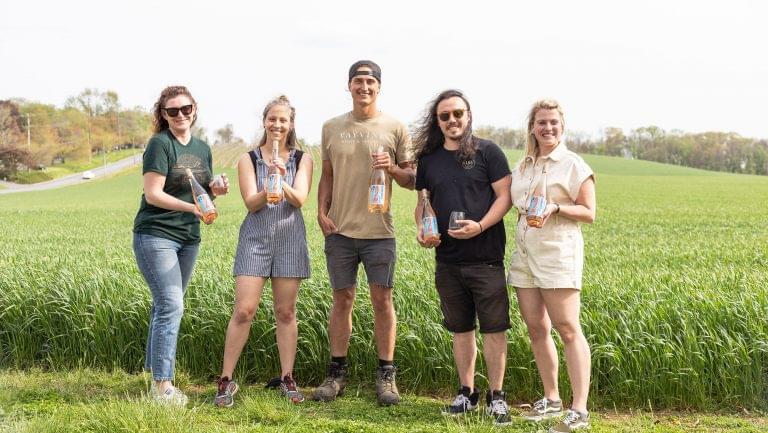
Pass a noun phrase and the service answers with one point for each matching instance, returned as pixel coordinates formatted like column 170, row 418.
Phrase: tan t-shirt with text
column 348, row 143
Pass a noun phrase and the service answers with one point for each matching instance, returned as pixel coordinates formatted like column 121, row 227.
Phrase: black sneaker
column 465, row 401
column 496, row 406
column 333, row 385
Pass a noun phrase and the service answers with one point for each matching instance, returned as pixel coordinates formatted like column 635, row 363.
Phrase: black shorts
column 469, row 291
column 343, row 256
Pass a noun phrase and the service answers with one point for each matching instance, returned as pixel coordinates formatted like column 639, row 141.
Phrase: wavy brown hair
column 290, row 140
column 428, row 136
column 170, row 92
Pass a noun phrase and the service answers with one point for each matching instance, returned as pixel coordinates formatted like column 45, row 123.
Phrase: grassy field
column 675, row 296
column 87, row 401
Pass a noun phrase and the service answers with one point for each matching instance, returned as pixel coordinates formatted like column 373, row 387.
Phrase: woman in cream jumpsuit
column 546, row 267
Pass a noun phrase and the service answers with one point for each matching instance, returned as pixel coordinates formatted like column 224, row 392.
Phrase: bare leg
column 284, row 292
column 340, row 322
column 465, row 353
column 384, row 320
column 534, row 313
column 563, row 306
column 495, row 354
column 247, row 296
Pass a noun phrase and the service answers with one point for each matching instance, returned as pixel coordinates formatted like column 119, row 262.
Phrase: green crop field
column 675, row 300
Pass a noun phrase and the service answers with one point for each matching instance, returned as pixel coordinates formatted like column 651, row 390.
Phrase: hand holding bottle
column 381, row 159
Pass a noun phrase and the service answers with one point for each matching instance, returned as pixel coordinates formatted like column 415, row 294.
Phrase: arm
column 499, row 208
column 583, row 210
column 297, row 194
column 254, row 199
column 324, row 197
column 154, row 194
column 404, row 173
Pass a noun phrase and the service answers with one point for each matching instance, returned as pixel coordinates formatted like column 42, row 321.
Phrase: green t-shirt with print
column 167, row 156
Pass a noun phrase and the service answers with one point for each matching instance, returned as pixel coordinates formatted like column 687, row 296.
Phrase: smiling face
column 181, row 123
column 277, row 123
column 547, row 129
column 454, row 126
column 364, row 88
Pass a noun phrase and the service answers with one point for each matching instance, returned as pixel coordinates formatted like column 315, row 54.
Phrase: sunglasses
column 174, row 111
column 446, row 115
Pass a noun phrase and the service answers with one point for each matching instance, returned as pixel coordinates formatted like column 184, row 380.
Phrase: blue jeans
column 166, row 266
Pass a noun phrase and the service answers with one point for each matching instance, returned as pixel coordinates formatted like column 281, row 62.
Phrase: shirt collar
column 558, row 153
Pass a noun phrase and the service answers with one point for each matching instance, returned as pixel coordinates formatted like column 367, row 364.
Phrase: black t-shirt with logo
column 166, row 156
column 455, row 185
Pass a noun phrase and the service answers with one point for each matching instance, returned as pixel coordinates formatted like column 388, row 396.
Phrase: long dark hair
column 428, row 136
column 290, row 139
column 170, row 92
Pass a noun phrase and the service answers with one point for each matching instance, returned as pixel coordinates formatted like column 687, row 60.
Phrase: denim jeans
column 166, row 266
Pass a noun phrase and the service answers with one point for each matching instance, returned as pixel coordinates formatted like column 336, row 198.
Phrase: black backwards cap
column 375, row 71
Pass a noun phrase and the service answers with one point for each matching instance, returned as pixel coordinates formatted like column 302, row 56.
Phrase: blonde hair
column 531, row 144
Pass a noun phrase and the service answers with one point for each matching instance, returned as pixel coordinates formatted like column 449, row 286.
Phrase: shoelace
column 460, row 400
column 290, row 385
column 388, row 376
column 499, row 407
column 570, row 417
column 541, row 405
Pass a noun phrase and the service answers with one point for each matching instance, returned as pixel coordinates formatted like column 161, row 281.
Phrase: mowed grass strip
column 675, row 298
column 93, row 401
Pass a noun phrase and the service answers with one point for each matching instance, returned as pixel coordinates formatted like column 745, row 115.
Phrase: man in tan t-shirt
column 352, row 233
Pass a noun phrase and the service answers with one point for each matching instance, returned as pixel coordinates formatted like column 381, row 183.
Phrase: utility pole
column 29, row 139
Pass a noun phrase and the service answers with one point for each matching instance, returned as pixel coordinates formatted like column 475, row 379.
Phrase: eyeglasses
column 446, row 115
column 174, row 111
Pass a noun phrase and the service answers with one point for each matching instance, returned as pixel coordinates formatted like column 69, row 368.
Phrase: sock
column 341, row 360
column 384, row 363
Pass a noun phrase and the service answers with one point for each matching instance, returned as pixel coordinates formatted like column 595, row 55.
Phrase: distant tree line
column 35, row 135
column 718, row 151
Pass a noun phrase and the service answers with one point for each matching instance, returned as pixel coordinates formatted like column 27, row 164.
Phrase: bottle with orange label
column 538, row 202
column 429, row 229
column 202, row 200
column 274, row 179
column 377, row 194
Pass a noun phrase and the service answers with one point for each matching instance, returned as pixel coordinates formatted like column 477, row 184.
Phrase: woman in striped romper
column 272, row 245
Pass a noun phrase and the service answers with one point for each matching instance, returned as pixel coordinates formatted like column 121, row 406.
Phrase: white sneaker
column 171, row 397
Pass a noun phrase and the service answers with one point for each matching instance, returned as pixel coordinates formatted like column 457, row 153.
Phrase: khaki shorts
column 551, row 257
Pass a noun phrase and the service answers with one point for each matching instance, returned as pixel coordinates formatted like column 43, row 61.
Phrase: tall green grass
column 675, row 295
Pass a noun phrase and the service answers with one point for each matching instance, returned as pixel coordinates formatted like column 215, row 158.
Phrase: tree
column 10, row 129
column 225, row 134
column 11, row 157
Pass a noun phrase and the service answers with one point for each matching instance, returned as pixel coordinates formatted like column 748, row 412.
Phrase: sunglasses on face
column 446, row 115
column 174, row 111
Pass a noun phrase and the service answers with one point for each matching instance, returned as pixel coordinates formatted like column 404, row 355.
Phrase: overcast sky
column 688, row 65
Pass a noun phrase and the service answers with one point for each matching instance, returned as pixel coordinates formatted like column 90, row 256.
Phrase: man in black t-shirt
column 464, row 173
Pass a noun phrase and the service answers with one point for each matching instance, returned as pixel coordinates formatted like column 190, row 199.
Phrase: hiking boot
column 544, row 409
column 465, row 401
column 172, row 396
column 288, row 389
column 334, row 383
column 496, row 406
column 573, row 421
column 225, row 396
column 386, row 388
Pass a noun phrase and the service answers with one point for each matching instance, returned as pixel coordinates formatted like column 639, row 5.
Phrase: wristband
column 558, row 208
column 481, row 226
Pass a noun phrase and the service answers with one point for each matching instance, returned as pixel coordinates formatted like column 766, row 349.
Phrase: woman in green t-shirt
column 166, row 230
